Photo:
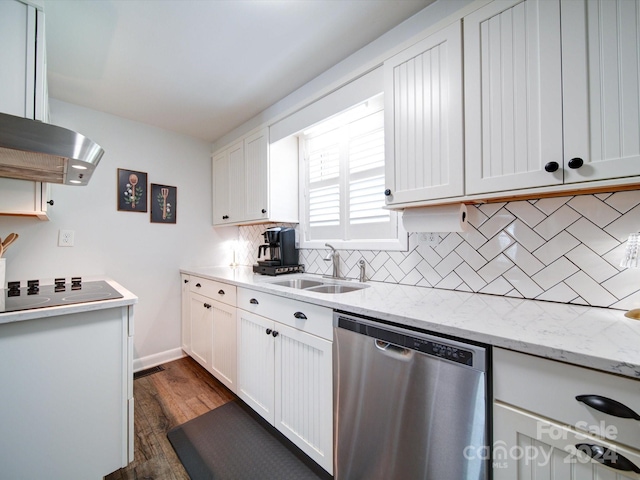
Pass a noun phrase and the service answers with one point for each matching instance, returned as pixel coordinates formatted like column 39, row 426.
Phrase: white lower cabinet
column 285, row 374
column 554, row 421
column 209, row 327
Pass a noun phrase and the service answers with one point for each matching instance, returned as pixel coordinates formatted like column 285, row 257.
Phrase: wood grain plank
column 182, row 391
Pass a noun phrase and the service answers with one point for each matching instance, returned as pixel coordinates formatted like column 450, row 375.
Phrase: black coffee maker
column 280, row 243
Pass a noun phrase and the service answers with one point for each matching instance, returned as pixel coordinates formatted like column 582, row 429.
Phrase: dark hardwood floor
column 163, row 400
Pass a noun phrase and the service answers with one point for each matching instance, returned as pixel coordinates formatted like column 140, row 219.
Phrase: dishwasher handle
column 393, row 350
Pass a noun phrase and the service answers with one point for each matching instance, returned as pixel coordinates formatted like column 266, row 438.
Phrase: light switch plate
column 65, row 238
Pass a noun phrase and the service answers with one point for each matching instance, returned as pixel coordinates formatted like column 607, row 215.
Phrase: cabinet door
column 513, row 97
column 256, row 153
column 21, row 197
column 228, row 185
column 423, row 119
column 529, row 447
column 186, row 314
column 18, row 58
column 304, row 392
column 256, row 363
column 220, row 181
column 600, row 70
column 201, row 329
column 224, row 354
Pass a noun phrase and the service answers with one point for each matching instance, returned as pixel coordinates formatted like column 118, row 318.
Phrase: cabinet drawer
column 319, row 320
column 549, row 388
column 222, row 292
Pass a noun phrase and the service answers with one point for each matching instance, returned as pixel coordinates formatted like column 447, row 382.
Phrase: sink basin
column 298, row 283
column 336, row 288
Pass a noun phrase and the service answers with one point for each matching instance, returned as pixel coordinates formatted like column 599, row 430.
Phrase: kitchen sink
column 299, row 283
column 318, row 286
column 333, row 288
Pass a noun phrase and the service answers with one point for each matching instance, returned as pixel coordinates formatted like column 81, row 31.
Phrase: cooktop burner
column 40, row 296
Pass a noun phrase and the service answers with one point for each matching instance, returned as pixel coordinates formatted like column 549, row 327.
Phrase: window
column 343, row 181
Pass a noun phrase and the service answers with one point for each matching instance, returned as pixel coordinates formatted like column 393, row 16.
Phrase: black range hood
column 41, row 152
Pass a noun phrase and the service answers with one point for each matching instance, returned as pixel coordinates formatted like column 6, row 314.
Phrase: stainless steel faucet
column 363, row 274
column 333, row 257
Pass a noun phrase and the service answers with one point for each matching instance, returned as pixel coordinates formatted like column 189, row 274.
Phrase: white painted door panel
column 256, row 151
column 220, row 181
column 256, row 363
column 601, row 61
column 224, row 345
column 303, row 385
column 423, row 119
column 236, row 182
column 528, row 447
column 513, row 101
column 201, row 330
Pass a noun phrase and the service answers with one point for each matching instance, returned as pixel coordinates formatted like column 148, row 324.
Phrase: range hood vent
column 36, row 151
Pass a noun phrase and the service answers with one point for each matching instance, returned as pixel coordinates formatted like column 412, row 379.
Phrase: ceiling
column 202, row 67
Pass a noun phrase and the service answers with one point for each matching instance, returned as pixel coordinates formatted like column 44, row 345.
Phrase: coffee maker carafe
column 280, row 243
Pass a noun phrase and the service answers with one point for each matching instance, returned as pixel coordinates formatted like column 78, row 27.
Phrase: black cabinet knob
column 269, row 331
column 225, row 217
column 50, row 202
column 207, row 305
column 575, row 163
column 264, row 211
column 387, row 192
column 551, row 167
column 186, row 281
column 275, row 334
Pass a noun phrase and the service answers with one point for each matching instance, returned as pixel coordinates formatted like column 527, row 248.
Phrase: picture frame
column 164, row 200
column 132, row 191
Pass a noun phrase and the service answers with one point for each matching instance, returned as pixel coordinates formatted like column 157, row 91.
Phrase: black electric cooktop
column 34, row 295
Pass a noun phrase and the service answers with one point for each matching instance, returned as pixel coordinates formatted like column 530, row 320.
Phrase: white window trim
column 401, row 243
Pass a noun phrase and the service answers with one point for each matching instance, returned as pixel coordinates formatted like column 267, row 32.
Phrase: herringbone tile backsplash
column 564, row 249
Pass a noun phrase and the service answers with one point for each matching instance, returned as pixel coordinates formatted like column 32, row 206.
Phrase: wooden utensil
column 133, row 180
column 165, row 193
column 12, row 237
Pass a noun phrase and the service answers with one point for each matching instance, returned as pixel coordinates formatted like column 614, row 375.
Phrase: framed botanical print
column 132, row 191
column 163, row 203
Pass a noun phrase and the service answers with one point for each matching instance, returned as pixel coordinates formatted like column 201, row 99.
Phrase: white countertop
column 599, row 338
column 128, row 298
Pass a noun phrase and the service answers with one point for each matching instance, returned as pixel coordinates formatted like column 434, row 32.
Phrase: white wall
column 144, row 257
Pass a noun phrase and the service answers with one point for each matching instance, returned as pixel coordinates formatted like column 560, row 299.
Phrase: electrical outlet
column 65, row 238
column 430, row 238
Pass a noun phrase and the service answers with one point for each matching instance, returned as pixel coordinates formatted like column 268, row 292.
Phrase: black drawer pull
column 268, row 332
column 607, row 405
column 300, row 316
column 221, row 292
column 253, row 301
column 198, row 285
column 608, row 458
column 275, row 334
column 575, row 163
column 207, row 305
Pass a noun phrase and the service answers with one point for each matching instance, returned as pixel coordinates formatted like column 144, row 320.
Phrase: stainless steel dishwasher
column 407, row 405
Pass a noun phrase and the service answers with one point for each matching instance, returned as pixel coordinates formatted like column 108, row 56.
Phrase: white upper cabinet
column 601, row 55
column 423, row 119
column 23, row 93
column 551, row 94
column 513, row 96
column 256, row 182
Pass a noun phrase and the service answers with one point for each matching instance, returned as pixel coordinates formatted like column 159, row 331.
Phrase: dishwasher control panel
column 425, row 343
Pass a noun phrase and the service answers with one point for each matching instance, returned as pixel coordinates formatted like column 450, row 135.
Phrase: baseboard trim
column 157, row 359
